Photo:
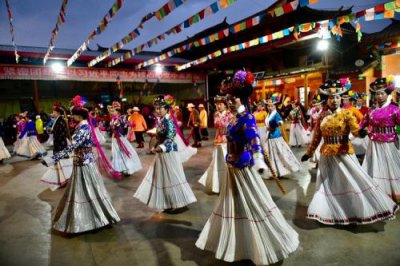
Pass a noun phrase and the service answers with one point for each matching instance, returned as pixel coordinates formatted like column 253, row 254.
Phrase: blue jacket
column 29, row 130
column 243, row 141
column 274, row 121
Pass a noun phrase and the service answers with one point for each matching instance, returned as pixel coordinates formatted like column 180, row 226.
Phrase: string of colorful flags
column 381, row 11
column 60, row 21
column 100, row 28
column 302, row 28
column 332, row 26
column 165, row 10
column 10, row 19
column 237, row 27
column 168, row 8
column 208, row 11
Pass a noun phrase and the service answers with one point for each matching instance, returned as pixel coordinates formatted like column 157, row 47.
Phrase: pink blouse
column 221, row 121
column 382, row 122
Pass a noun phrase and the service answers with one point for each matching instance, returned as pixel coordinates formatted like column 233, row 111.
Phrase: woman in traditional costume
column 58, row 174
column 165, row 186
column 260, row 115
column 124, row 157
column 86, row 204
column 30, row 146
column 217, row 168
column 283, row 160
column 20, row 125
column 298, row 134
column 345, row 193
column 382, row 159
column 245, row 222
column 4, row 153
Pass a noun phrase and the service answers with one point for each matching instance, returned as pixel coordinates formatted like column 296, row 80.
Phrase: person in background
column 30, row 146
column 139, row 126
column 39, row 128
column 4, row 154
column 194, row 124
column 360, row 103
column 260, row 115
column 58, row 175
column 179, row 117
column 203, row 122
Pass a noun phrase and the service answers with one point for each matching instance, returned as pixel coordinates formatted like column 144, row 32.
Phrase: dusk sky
column 35, row 19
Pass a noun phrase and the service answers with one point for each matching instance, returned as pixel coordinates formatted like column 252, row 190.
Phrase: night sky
column 35, row 19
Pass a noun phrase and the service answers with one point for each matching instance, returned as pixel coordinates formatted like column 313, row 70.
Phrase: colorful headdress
column 241, row 85
column 78, row 108
column 157, row 101
column 335, row 87
column 163, row 101
column 57, row 107
column 220, row 99
column 275, row 99
column 116, row 105
column 317, row 99
column 385, row 83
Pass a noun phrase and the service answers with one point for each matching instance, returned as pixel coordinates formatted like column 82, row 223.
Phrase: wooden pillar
column 36, row 97
column 306, row 91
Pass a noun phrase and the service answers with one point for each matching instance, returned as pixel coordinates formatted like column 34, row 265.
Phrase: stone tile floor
column 146, row 237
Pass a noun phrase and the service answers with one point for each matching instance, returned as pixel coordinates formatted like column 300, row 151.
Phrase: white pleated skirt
column 359, row 144
column 50, row 141
column 346, row 194
column 262, row 133
column 184, row 152
column 30, row 147
column 282, row 158
column 4, row 153
column 216, row 170
column 58, row 175
column 99, row 136
column 120, row 161
column 317, row 152
column 246, row 223
column 297, row 135
column 382, row 162
column 85, row 205
column 165, row 185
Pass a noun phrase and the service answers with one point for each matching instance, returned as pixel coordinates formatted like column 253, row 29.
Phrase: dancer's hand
column 305, row 157
column 158, row 150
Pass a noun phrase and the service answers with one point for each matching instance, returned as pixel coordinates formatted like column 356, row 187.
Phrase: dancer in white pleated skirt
column 165, row 186
column 124, row 157
column 298, row 134
column 58, row 174
column 282, row 157
column 245, row 223
column 345, row 193
column 86, row 204
column 217, row 168
column 30, row 146
column 4, row 153
column 382, row 159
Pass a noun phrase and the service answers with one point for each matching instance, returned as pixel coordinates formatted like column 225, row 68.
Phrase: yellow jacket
column 260, row 117
column 39, row 126
column 334, row 129
column 203, row 119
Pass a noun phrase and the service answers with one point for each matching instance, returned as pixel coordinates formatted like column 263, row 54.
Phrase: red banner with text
column 92, row 74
